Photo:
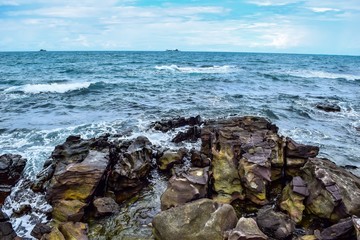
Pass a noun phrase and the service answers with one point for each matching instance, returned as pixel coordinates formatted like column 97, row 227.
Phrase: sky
column 289, row 26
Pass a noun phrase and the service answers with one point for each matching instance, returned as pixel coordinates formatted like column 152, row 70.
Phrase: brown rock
column 169, row 158
column 68, row 210
column 105, row 206
column 247, row 229
column 74, row 231
column 296, row 150
column 39, row 230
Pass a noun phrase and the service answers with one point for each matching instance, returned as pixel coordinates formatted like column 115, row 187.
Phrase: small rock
column 275, row 224
column 247, row 229
column 6, row 231
column 55, row 234
column 328, row 107
column 39, row 230
column 105, row 206
column 169, row 158
column 192, row 134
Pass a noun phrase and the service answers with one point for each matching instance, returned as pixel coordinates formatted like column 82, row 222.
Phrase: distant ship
column 42, row 50
column 170, row 50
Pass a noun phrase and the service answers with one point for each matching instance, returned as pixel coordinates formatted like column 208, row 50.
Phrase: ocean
column 47, row 96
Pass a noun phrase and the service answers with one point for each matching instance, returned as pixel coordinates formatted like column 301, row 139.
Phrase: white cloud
column 323, row 9
column 272, row 2
column 9, row 3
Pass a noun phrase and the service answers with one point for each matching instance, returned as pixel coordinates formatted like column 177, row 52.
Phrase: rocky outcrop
column 200, row 219
column 11, row 168
column 185, row 188
column 246, row 229
column 166, row 125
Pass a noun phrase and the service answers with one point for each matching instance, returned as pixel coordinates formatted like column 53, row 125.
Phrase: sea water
column 47, row 96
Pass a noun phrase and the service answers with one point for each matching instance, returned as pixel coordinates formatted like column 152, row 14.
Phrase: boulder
column 105, row 206
column 169, row 158
column 132, row 164
column 186, row 188
column 292, row 198
column 11, row 168
column 342, row 230
column 74, row 231
column 246, row 229
column 296, row 150
column 328, row 107
column 68, row 210
column 39, row 230
column 275, row 224
column 334, row 193
column 200, row 219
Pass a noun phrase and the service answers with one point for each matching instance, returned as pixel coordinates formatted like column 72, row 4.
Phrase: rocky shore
column 244, row 182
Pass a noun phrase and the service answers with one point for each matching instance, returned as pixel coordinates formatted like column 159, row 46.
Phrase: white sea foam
column 202, row 69
column 52, row 87
column 322, row 74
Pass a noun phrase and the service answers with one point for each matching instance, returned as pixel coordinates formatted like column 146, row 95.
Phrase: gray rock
column 105, row 206
column 39, row 230
column 202, row 219
column 342, row 230
column 296, row 150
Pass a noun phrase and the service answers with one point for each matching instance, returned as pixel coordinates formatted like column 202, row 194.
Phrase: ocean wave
column 48, row 88
column 200, row 69
column 322, row 74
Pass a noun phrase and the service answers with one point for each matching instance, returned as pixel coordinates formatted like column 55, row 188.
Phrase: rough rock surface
column 6, row 230
column 169, row 158
column 201, row 219
column 275, row 224
column 198, row 159
column 328, row 107
column 334, row 193
column 342, row 230
column 246, row 229
column 11, row 167
column 186, row 188
column 71, row 230
column 39, row 230
column 105, row 206
column 167, row 125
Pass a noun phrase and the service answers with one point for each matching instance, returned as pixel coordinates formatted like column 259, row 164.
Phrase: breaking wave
column 49, row 88
column 200, row 69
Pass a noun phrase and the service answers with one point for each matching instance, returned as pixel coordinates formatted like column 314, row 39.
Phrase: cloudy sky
column 295, row 26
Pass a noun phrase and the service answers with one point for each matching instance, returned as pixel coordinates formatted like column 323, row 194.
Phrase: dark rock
column 342, row 230
column 11, row 167
column 3, row 216
column 299, row 186
column 186, row 188
column 328, row 107
column 275, row 224
column 169, row 158
column 105, row 206
column 198, row 159
column 201, row 219
column 39, row 230
column 166, row 125
column 6, row 231
column 296, row 150
column 246, row 229
column 334, row 193
column 192, row 134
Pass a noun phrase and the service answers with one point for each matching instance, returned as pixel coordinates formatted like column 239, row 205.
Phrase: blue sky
column 294, row 26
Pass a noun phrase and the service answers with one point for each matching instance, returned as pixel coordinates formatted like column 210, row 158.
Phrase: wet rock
column 296, row 150
column 68, row 210
column 105, row 206
column 328, row 107
column 77, row 230
column 192, row 134
column 6, row 230
column 334, row 193
column 275, row 224
column 246, row 229
column 186, row 188
column 201, row 219
column 39, row 230
column 132, row 165
column 169, row 158
column 55, row 234
column 166, row 125
column 198, row 159
column 292, row 198
column 11, row 168
column 342, row 230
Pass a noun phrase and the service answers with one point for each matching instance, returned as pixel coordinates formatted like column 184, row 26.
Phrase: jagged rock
column 275, row 224
column 356, row 222
column 55, row 234
column 198, row 159
column 201, row 219
column 192, row 134
column 292, row 198
column 187, row 187
column 293, row 166
column 105, row 206
column 169, row 158
column 39, row 230
column 334, row 192
column 77, row 230
column 328, row 107
column 246, row 229
column 242, row 149
column 68, row 210
column 11, row 167
column 132, row 165
column 166, row 125
column 296, row 150
column 342, row 230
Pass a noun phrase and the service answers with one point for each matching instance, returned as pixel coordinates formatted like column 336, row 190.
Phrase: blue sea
column 47, row 96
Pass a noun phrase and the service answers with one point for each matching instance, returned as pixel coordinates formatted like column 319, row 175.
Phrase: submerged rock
column 11, row 168
column 247, row 229
column 328, row 107
column 201, row 219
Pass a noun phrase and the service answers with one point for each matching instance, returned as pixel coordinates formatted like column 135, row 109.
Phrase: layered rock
column 105, row 206
column 11, row 168
column 246, row 229
column 200, row 219
column 170, row 158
